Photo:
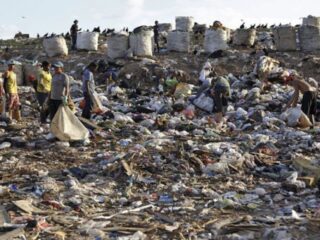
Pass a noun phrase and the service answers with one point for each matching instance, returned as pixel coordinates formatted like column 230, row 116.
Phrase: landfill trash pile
column 158, row 167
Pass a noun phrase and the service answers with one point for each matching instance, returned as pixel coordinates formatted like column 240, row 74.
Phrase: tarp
column 67, row 127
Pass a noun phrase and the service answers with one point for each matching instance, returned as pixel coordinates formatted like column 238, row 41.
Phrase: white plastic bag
column 296, row 118
column 67, row 127
column 87, row 41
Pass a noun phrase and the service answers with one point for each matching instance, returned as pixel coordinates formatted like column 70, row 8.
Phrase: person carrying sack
column 59, row 89
column 88, row 88
column 11, row 89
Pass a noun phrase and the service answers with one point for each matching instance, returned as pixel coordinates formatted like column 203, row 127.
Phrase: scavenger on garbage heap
column 221, row 92
column 73, row 32
column 2, row 98
column 59, row 89
column 88, row 87
column 43, row 88
column 156, row 35
column 11, row 89
column 309, row 100
column 205, row 78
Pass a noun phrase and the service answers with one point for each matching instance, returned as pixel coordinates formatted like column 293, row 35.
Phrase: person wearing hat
column 59, row 89
column 43, row 88
column 309, row 100
column 11, row 89
column 73, row 32
column 88, row 88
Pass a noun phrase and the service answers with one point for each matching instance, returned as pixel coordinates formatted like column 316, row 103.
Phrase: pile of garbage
column 157, row 166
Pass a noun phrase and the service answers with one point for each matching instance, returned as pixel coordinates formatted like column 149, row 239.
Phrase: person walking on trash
column 156, row 35
column 88, row 88
column 59, row 89
column 2, row 98
column 220, row 92
column 73, row 33
column 11, row 89
column 43, row 88
column 309, row 100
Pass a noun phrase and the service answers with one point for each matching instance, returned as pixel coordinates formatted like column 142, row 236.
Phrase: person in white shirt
column 205, row 78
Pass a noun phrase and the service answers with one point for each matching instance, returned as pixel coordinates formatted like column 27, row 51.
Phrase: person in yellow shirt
column 43, row 88
column 11, row 89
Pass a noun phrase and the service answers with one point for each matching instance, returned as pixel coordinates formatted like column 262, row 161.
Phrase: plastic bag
column 182, row 90
column 67, row 127
column 97, row 105
column 296, row 118
column 204, row 102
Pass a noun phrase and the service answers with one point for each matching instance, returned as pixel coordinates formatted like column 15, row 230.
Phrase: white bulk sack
column 244, row 37
column 215, row 40
column 204, row 102
column 309, row 38
column 311, row 21
column 285, row 38
column 55, row 46
column 67, row 127
column 87, row 41
column 184, row 24
column 178, row 41
column 118, row 45
column 141, row 44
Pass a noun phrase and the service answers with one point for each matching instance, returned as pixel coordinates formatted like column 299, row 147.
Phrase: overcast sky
column 41, row 16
